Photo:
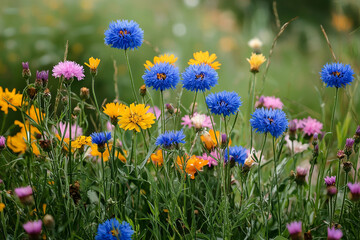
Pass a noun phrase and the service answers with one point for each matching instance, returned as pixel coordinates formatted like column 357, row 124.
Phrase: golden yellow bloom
column 17, row 142
column 2, row 206
column 204, row 57
column 12, row 97
column 157, row 158
column 209, row 139
column 161, row 59
column 136, row 117
column 193, row 165
column 80, row 142
column 34, row 114
column 114, row 110
column 255, row 62
column 93, row 63
column 106, row 156
column 341, row 22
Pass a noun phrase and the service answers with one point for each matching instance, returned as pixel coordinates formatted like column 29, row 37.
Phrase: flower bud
column 26, row 73
column 45, row 145
column 77, row 110
column 49, row 221
column 300, row 175
column 25, row 195
column 2, row 143
column 348, row 146
column 42, row 78
column 142, row 90
column 316, row 151
column 347, row 166
column 340, row 154
column 223, row 140
column 64, row 100
column 357, row 135
column 84, row 93
column 292, row 130
column 169, row 108
column 47, row 94
column 331, row 191
column 31, row 91
column 315, row 139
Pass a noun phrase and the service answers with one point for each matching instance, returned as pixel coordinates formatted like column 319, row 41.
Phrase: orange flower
column 193, row 165
column 157, row 158
column 17, row 142
column 106, row 155
column 209, row 139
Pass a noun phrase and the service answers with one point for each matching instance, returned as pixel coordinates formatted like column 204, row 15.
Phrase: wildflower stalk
column 251, row 108
column 162, row 111
column 131, row 76
column 103, row 176
column 94, row 96
column 259, row 182
column 343, row 201
column 193, row 105
column 69, row 120
column 3, row 123
column 277, row 186
column 113, row 160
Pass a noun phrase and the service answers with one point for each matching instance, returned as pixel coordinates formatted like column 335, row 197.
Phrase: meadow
column 237, row 123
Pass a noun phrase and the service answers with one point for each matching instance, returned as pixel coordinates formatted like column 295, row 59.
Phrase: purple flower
column 43, row 75
column 330, row 181
column 33, row 229
column 211, row 158
column 295, row 230
column 269, row 102
column 76, row 131
column 349, row 143
column 23, row 191
column 155, row 110
column 25, row 65
column 2, row 142
column 68, row 70
column 334, row 234
column 300, row 175
column 357, row 131
column 309, row 125
column 354, row 191
column 197, row 121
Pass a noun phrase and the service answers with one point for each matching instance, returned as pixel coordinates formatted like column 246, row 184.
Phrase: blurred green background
column 37, row 30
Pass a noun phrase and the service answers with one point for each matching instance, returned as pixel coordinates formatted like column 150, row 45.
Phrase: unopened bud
column 47, row 94
column 31, row 92
column 340, row 154
column 77, row 110
column 331, row 191
column 223, row 140
column 292, row 130
column 49, row 221
column 142, row 90
column 169, row 108
column 45, row 145
column 300, row 175
column 26, row 73
column 84, row 93
column 347, row 166
column 348, row 146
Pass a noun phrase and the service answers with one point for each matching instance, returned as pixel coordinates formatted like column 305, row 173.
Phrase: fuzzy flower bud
column 348, row 146
column 169, row 108
column 25, row 195
column 331, row 191
column 49, row 221
column 31, row 91
column 84, row 93
column 354, row 191
column 340, row 154
column 300, row 175
column 142, row 90
column 347, row 166
column 2, row 142
column 26, row 73
column 292, row 130
column 223, row 140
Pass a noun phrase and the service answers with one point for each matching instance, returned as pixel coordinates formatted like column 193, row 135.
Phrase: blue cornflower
column 224, row 103
column 124, row 34
column 113, row 230
column 100, row 139
column 161, row 76
column 170, row 139
column 337, row 75
column 271, row 121
column 237, row 153
column 199, row 77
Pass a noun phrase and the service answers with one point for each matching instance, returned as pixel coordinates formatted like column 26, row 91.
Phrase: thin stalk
column 103, row 177
column 69, row 119
column 337, row 183
column 251, row 108
column 162, row 111
column 277, row 186
column 259, row 181
column 193, row 105
column 3, row 123
column 94, row 96
column 343, row 201
column 131, row 76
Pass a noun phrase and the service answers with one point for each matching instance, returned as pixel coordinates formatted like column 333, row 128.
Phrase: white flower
column 298, row 146
column 255, row 43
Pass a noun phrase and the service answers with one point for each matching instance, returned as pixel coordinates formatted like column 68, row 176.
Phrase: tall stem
column 162, row 111
column 103, row 176
column 343, row 201
column 131, row 76
column 193, row 106
column 277, row 186
column 95, row 100
column 69, row 119
column 259, row 181
column 251, row 108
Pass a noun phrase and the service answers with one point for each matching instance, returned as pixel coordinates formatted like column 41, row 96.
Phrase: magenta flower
column 68, row 70
column 354, row 191
column 330, row 181
column 186, row 121
column 23, row 191
column 211, row 158
column 197, row 121
column 156, row 111
column 109, row 126
column 309, row 126
column 269, row 102
column 295, row 230
column 33, row 229
column 2, row 142
column 334, row 234
column 76, row 131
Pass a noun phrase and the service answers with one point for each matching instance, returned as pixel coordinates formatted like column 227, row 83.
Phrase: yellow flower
column 161, row 59
column 157, row 158
column 80, row 142
column 93, row 63
column 204, row 57
column 17, row 142
column 193, row 165
column 114, row 110
column 341, row 22
column 2, row 206
column 106, row 156
column 65, row 143
column 209, row 139
column 136, row 117
column 12, row 97
column 255, row 62
column 34, row 114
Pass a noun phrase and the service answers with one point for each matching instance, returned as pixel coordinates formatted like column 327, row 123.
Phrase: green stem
column 162, row 111
column 193, row 106
column 3, row 124
column 259, row 181
column 131, row 76
column 343, row 201
column 337, row 184
column 95, row 100
column 277, row 186
column 69, row 119
column 103, row 176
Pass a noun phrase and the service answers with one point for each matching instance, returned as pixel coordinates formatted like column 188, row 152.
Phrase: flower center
column 123, row 32
column 201, row 76
column 271, row 120
column 114, row 232
column 135, row 118
column 161, row 76
column 336, row 73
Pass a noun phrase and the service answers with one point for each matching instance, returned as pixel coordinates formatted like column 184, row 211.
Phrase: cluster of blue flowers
column 170, row 139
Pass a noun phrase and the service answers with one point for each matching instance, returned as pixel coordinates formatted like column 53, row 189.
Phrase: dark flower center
column 114, row 232
column 123, row 32
column 201, row 75
column 271, row 120
column 222, row 103
column 336, row 73
column 161, row 76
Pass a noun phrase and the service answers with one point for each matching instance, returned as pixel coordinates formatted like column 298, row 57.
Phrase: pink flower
column 298, row 146
column 2, row 142
column 334, row 234
column 76, row 131
column 68, row 70
column 294, row 229
column 211, row 158
column 269, row 102
column 33, row 229
column 330, row 181
column 186, row 121
column 197, row 120
column 156, row 111
column 309, row 126
column 23, row 192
